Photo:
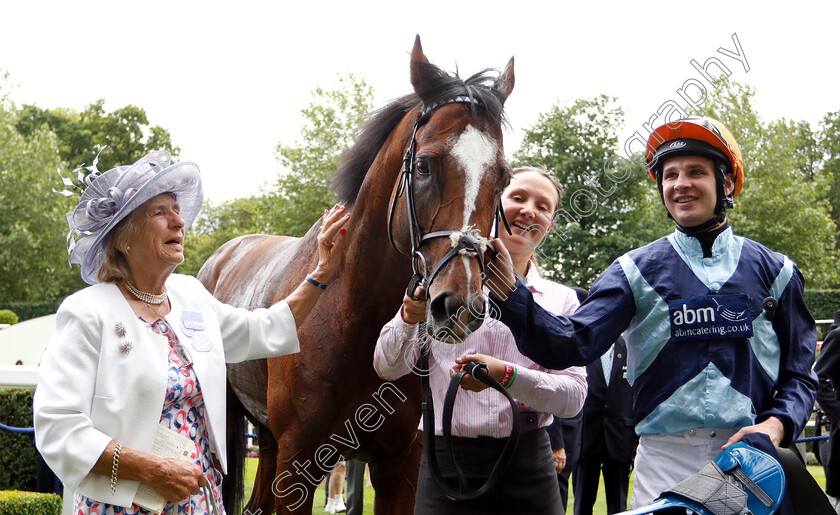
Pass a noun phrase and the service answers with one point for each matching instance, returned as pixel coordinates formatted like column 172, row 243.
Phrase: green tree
column 33, row 228
column 828, row 140
column 217, row 224
column 299, row 196
column 610, row 204
column 331, row 123
column 125, row 132
column 784, row 202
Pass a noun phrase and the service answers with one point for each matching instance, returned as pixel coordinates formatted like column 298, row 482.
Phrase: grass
column 600, row 503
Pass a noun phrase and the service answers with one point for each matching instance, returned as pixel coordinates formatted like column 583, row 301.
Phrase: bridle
column 464, row 242
column 471, row 244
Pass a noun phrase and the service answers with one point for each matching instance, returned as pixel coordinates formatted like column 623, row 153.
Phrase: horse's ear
column 423, row 72
column 504, row 84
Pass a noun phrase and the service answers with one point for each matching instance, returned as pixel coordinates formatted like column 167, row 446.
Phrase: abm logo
column 710, row 316
column 728, row 314
column 688, row 316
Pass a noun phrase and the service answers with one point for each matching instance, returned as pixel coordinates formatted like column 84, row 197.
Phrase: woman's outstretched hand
column 332, row 244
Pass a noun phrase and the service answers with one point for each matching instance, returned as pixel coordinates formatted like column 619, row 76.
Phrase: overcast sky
column 228, row 79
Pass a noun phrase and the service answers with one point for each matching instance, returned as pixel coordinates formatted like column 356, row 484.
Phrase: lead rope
column 480, row 373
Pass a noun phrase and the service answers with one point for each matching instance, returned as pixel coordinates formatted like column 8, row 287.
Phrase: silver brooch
column 126, row 346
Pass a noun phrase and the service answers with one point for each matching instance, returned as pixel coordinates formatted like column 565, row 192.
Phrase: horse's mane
column 347, row 180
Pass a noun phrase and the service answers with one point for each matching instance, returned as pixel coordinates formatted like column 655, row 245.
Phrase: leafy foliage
column 17, row 461
column 219, row 224
column 607, row 208
column 828, row 141
column 822, row 304
column 34, row 144
column 332, row 121
column 7, row 316
column 33, row 256
column 15, row 502
column 35, row 309
column 300, row 195
column 784, row 204
column 125, row 131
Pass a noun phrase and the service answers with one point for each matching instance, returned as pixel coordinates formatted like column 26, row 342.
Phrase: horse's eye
column 422, row 167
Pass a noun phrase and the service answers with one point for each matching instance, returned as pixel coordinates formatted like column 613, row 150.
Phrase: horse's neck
column 372, row 263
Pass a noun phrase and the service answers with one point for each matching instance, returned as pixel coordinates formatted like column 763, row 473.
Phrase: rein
column 479, row 372
column 471, row 244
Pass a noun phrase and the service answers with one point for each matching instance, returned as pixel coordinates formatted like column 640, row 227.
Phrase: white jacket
column 90, row 392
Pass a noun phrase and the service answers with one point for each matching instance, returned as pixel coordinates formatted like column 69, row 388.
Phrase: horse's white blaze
column 475, row 152
column 466, row 262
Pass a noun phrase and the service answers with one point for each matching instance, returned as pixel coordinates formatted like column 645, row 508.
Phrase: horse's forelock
column 347, row 180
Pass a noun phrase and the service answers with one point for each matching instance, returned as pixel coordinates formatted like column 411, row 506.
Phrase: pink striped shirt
column 488, row 413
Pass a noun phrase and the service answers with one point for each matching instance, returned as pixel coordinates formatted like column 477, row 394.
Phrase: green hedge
column 29, row 503
column 27, row 310
column 18, row 461
column 823, row 303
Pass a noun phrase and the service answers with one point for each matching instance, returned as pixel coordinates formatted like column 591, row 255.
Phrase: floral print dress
column 183, row 412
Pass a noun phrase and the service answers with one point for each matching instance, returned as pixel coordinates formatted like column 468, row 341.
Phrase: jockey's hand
column 495, row 367
column 772, row 427
column 332, row 244
column 414, row 311
column 499, row 271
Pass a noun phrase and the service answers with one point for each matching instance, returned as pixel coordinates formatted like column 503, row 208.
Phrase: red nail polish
column 343, row 231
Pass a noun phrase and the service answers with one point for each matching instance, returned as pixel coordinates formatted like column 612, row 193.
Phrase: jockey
column 719, row 341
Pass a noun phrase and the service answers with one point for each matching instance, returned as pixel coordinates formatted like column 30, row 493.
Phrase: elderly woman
column 143, row 350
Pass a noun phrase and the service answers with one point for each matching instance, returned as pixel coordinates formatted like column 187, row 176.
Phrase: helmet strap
column 725, row 201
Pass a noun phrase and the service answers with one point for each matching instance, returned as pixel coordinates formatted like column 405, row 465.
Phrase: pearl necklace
column 146, row 297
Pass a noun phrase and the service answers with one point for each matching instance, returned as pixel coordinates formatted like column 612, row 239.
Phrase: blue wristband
column 315, row 283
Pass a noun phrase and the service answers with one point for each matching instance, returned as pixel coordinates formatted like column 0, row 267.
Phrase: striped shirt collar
column 533, row 280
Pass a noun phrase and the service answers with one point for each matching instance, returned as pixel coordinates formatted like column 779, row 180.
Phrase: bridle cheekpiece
column 467, row 242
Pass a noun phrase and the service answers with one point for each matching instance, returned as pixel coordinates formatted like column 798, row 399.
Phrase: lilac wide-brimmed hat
column 111, row 196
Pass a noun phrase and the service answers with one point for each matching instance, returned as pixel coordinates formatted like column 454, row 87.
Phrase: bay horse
column 327, row 399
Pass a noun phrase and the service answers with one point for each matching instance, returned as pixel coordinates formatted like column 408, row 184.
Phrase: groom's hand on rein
column 414, row 311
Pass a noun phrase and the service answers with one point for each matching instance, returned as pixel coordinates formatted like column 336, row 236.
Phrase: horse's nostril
column 477, row 307
column 446, row 306
column 438, row 307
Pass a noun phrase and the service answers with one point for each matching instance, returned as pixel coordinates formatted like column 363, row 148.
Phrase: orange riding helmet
column 704, row 137
column 703, row 129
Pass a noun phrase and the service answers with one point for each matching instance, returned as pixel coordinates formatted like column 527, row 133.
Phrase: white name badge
column 201, row 342
column 192, row 320
column 187, row 332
